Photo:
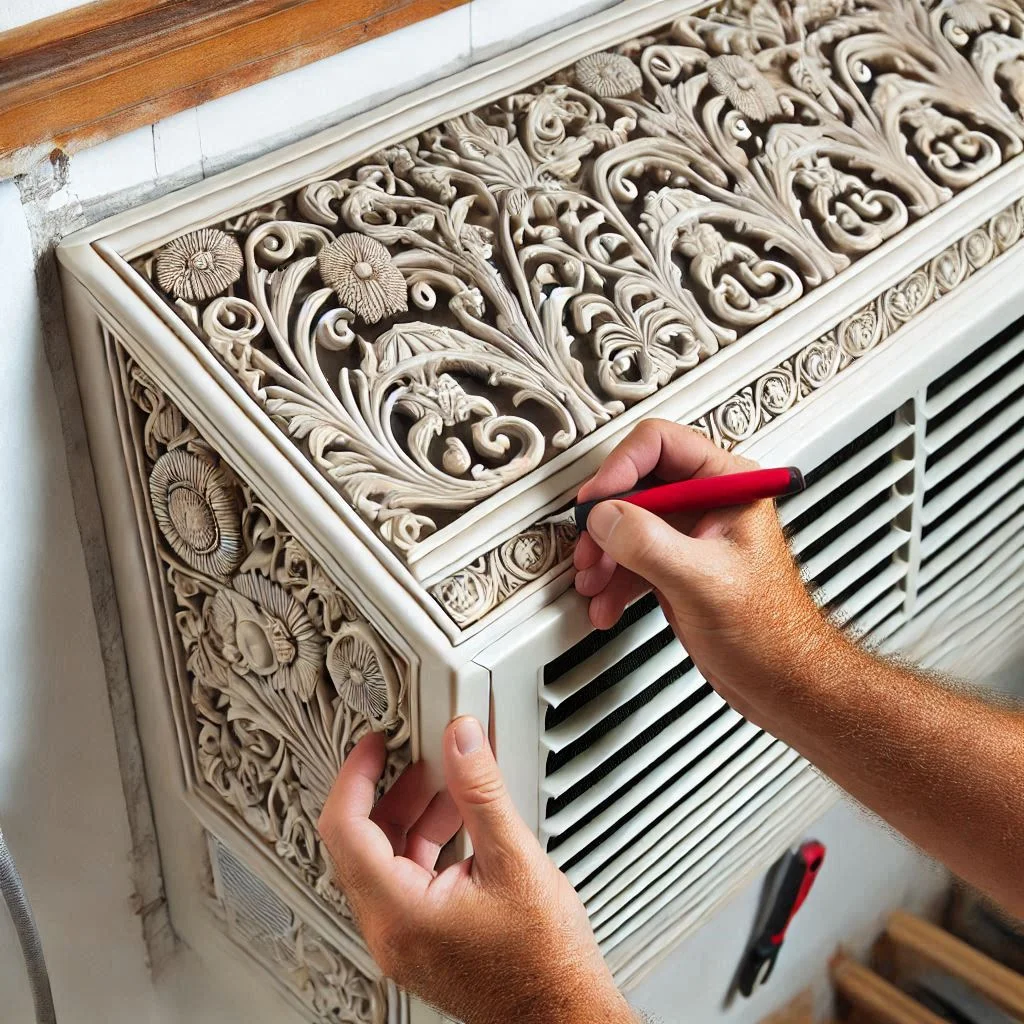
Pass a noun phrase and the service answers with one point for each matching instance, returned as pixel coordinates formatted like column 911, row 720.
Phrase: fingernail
column 602, row 520
column 469, row 737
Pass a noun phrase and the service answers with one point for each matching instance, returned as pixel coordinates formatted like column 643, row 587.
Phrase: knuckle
column 487, row 789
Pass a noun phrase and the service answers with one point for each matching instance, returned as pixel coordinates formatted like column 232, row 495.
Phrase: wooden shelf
column 77, row 78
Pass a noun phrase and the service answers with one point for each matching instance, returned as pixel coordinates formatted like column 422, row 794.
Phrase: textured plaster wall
column 61, row 801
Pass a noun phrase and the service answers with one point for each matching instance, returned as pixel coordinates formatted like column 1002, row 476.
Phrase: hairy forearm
column 940, row 765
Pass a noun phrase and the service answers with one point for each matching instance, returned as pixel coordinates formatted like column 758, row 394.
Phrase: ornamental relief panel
column 442, row 318
column 474, row 590
column 284, row 674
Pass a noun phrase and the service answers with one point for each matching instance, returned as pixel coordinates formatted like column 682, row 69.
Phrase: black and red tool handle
column 798, row 874
column 700, row 493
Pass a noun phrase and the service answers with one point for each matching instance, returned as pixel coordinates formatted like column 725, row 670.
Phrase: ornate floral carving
column 362, row 273
column 265, row 635
column 607, row 75
column 199, row 265
column 775, row 392
column 196, row 507
column 566, row 251
column 469, row 594
column 740, row 81
column 364, row 675
column 284, row 672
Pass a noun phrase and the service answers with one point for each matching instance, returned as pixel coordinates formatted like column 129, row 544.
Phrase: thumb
column 498, row 833
column 645, row 544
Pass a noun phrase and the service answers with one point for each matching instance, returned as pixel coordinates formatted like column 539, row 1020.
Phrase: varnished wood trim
column 78, row 78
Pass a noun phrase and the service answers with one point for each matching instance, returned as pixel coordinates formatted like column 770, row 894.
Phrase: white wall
column 61, row 804
column 20, row 12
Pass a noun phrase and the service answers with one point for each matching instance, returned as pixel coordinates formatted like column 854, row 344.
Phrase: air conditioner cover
column 332, row 393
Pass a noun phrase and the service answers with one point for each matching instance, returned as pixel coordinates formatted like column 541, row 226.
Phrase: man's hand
column 501, row 936
column 725, row 578
column 937, row 763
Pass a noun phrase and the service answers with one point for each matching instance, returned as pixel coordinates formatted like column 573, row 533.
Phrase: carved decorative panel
column 445, row 316
column 320, row 977
column 284, row 674
column 349, row 380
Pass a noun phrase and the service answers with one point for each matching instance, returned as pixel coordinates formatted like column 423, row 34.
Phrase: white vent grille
column 658, row 797
column 253, row 911
column 971, row 550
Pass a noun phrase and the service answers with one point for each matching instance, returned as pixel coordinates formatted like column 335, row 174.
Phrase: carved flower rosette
column 285, row 675
column 440, row 319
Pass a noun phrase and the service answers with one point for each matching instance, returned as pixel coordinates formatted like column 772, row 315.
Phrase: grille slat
column 822, row 490
column 557, row 825
column 975, row 443
column 590, row 717
column 592, row 759
column 965, row 378
column 605, row 658
column 864, row 526
column 707, row 771
column 1001, row 520
column 680, row 829
column 983, row 500
column 974, row 477
column 645, row 898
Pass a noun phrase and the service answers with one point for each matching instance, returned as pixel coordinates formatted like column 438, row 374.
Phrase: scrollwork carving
column 285, row 674
column 469, row 594
column 783, row 387
column 442, row 318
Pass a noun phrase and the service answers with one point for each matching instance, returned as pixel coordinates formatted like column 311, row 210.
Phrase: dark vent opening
column 557, row 758
column 555, row 841
column 681, row 797
column 966, row 364
column 594, row 641
column 858, row 444
column 849, row 557
column 837, row 531
column 954, row 443
column 979, row 513
column 607, row 679
column 556, row 804
column 970, row 498
column 993, row 523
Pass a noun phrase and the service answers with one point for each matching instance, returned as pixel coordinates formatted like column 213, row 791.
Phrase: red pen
column 699, row 493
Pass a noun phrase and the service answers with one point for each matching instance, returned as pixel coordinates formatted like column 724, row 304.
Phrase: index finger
column 364, row 860
column 668, row 450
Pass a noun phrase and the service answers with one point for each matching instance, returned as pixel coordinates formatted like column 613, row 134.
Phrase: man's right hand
column 725, row 578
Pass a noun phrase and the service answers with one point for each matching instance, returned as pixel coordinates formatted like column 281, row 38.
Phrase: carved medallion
column 448, row 314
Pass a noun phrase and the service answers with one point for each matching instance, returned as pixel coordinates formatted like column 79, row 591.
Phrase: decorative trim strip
column 469, row 594
column 545, row 550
